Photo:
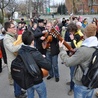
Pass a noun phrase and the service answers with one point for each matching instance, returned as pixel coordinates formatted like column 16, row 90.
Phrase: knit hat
column 90, row 30
column 40, row 20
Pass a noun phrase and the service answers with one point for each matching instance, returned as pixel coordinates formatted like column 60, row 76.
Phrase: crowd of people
column 38, row 37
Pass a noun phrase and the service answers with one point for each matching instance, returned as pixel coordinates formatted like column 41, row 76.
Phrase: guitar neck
column 66, row 44
column 55, row 33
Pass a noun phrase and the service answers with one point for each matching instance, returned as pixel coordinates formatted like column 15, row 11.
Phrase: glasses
column 12, row 27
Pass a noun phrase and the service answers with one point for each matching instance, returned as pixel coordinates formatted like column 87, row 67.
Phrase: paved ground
column 55, row 89
column 89, row 17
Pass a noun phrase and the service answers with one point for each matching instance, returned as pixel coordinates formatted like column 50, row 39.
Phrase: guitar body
column 46, row 42
column 45, row 72
column 45, row 45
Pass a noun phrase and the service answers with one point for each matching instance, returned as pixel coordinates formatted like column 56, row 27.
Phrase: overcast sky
column 56, row 1
column 51, row 1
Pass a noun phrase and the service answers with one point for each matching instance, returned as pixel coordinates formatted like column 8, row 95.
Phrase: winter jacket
column 10, row 48
column 39, row 59
column 81, row 57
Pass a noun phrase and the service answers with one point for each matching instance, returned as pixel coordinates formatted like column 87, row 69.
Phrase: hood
column 90, row 42
column 27, row 49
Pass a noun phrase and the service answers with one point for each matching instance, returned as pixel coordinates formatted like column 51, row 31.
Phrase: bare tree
column 3, row 5
column 12, row 7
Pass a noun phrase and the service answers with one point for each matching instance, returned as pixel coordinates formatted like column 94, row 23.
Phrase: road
column 89, row 17
column 54, row 89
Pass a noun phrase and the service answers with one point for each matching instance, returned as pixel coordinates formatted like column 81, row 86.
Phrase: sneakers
column 56, row 79
column 70, row 92
column 49, row 77
column 96, row 94
column 23, row 92
column 68, row 83
column 21, row 96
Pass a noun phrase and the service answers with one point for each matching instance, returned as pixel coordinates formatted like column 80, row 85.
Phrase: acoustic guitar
column 57, row 35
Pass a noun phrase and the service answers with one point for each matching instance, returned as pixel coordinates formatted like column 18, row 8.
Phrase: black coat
column 37, row 34
column 54, row 47
column 39, row 59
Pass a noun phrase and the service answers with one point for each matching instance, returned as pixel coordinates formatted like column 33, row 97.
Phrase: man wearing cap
column 39, row 36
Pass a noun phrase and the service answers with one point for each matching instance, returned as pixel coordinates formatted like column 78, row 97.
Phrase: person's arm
column 10, row 46
column 42, row 61
column 73, row 60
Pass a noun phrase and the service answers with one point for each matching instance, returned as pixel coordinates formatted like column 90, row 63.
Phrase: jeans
column 71, row 75
column 82, row 92
column 54, row 63
column 17, row 89
column 40, row 89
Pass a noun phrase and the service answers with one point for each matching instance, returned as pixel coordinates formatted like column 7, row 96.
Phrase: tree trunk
column 2, row 12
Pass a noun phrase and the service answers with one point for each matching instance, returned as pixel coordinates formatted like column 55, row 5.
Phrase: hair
column 90, row 30
column 95, row 20
column 3, row 31
column 72, row 27
column 27, row 37
column 7, row 25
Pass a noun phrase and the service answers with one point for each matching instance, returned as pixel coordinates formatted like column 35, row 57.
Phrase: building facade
column 82, row 6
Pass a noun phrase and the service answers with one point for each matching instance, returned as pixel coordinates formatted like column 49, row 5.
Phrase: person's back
column 42, row 62
column 81, row 59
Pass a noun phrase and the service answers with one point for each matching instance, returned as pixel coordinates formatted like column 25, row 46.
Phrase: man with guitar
column 76, row 41
column 81, row 57
column 52, row 54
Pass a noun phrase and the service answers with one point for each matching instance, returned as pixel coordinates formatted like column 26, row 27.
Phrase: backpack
column 90, row 75
column 24, row 70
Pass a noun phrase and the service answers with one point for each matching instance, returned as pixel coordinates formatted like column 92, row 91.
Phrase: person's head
column 63, row 19
column 19, row 25
column 63, row 28
column 3, row 31
column 45, row 21
column 95, row 19
column 41, row 22
column 35, row 25
column 85, row 20
column 49, row 25
column 90, row 30
column 68, row 21
column 80, row 18
column 28, row 38
column 55, row 22
column 22, row 19
column 9, row 27
column 72, row 28
column 78, row 24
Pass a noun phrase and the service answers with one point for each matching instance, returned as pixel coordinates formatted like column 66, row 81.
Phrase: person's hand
column 43, row 55
column 45, row 31
column 71, row 36
column 42, row 38
column 61, row 43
